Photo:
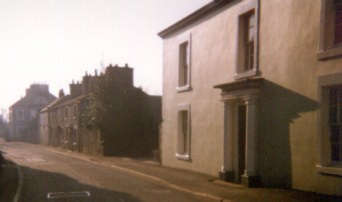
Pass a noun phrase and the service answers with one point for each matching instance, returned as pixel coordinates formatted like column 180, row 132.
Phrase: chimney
column 61, row 93
column 75, row 89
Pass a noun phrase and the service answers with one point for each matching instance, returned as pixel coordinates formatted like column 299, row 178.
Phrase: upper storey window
column 184, row 63
column 330, row 45
column 338, row 22
column 249, row 22
column 247, row 41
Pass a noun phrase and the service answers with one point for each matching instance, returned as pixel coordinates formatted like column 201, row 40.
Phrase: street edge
column 154, row 178
column 171, row 185
column 20, row 184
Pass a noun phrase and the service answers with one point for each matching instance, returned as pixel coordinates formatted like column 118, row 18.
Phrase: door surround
column 245, row 92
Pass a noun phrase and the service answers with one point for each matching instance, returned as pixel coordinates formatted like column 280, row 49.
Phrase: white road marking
column 58, row 195
column 35, row 160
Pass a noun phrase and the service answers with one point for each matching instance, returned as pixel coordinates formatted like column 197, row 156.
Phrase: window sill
column 246, row 74
column 184, row 157
column 329, row 170
column 330, row 53
column 183, row 88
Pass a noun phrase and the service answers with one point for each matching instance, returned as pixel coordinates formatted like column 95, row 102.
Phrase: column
column 229, row 128
column 250, row 175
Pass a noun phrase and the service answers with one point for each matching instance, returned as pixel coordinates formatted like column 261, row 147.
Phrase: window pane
column 183, row 64
column 333, row 114
column 185, row 130
column 334, row 134
column 335, row 120
column 185, row 74
column 338, row 22
column 250, row 55
column 333, row 96
column 249, row 41
column 335, row 152
column 251, row 27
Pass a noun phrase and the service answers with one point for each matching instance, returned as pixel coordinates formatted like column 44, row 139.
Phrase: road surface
column 50, row 177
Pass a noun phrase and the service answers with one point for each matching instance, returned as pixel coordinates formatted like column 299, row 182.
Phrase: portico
column 240, row 149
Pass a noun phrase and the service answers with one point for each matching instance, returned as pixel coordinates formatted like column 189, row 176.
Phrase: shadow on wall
column 279, row 108
column 38, row 188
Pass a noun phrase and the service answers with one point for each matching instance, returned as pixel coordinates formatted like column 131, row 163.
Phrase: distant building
column 3, row 127
column 23, row 116
column 132, row 129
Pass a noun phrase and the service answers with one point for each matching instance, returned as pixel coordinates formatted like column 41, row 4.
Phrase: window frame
column 337, row 123
column 327, row 49
column 184, row 39
column 244, row 12
column 325, row 164
column 181, row 142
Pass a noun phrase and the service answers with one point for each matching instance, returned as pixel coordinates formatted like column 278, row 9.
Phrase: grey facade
column 23, row 117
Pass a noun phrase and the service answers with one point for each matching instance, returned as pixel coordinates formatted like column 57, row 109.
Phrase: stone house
column 60, row 120
column 69, row 116
column 23, row 116
column 252, row 93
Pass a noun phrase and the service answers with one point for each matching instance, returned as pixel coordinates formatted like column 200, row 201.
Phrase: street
column 50, row 176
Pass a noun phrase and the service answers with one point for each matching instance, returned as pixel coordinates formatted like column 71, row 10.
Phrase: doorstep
column 228, row 184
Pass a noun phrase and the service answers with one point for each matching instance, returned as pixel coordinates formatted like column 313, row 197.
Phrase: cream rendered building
column 252, row 93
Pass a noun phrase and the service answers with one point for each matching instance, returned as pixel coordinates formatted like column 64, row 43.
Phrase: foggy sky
column 56, row 41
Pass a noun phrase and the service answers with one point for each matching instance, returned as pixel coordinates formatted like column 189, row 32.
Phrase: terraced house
column 252, row 93
column 104, row 114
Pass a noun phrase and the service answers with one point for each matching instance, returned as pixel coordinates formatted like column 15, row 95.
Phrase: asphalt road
column 52, row 177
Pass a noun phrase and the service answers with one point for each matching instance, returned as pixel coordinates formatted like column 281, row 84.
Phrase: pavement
column 8, row 181
column 53, row 174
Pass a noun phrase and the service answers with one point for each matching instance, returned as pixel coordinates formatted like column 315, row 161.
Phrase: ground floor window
column 335, row 122
column 183, row 137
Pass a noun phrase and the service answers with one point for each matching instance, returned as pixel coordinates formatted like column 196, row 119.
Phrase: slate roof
column 27, row 100
column 65, row 100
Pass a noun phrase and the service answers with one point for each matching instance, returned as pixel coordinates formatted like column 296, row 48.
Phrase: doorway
column 241, row 141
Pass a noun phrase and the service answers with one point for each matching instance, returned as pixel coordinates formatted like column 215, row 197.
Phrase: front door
column 241, row 140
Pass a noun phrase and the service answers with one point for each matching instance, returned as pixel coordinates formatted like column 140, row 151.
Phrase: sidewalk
column 198, row 184
column 8, row 182
column 8, row 179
